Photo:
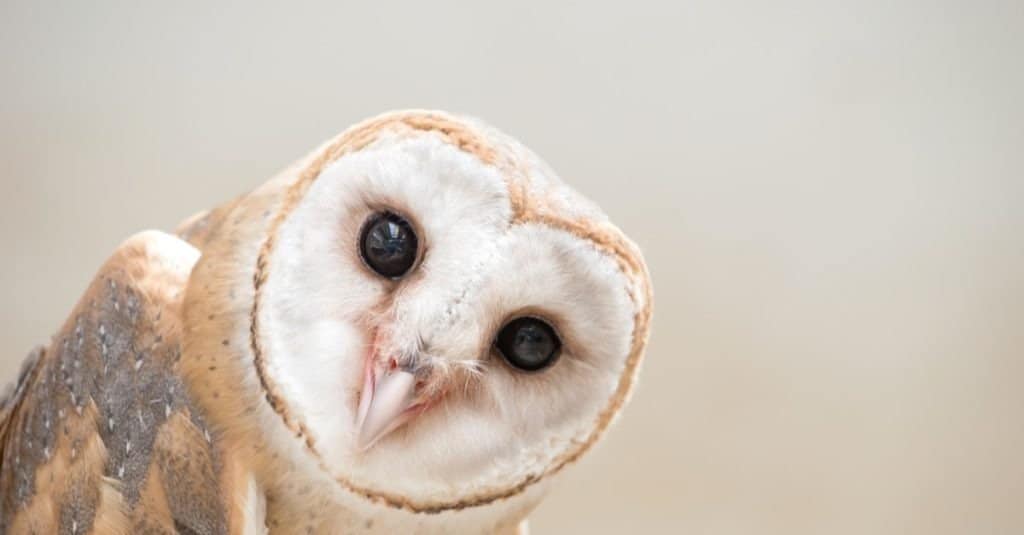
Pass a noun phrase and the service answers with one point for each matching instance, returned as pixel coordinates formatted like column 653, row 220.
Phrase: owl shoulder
column 100, row 431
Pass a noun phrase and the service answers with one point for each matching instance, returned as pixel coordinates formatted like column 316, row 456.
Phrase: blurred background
column 830, row 196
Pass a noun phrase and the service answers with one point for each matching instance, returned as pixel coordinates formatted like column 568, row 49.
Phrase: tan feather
column 156, row 402
column 102, row 408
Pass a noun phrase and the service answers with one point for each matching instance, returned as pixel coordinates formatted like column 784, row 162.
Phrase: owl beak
column 384, row 405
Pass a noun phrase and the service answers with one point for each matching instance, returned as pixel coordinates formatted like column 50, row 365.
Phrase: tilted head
column 437, row 320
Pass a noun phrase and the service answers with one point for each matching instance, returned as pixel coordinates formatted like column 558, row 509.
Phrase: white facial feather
column 495, row 425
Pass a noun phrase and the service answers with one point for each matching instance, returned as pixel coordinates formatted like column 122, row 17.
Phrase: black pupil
column 529, row 344
column 389, row 245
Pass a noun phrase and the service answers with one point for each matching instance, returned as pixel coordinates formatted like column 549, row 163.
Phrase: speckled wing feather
column 99, row 435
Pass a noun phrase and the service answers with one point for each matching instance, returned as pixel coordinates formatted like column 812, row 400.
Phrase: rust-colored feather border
column 524, row 210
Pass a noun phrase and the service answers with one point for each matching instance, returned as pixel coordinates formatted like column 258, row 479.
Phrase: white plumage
column 411, row 330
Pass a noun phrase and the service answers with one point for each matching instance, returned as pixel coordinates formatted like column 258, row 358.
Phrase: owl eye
column 528, row 344
column 388, row 244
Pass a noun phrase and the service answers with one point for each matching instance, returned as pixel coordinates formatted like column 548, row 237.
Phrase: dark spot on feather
column 100, row 365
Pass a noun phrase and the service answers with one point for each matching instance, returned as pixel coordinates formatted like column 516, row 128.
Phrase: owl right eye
column 388, row 245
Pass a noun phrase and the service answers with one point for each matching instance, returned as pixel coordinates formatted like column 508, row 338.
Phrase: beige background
column 829, row 196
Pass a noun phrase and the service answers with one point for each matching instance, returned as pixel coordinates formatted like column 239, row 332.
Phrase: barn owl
column 411, row 330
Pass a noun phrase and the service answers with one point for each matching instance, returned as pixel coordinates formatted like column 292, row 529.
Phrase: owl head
column 420, row 312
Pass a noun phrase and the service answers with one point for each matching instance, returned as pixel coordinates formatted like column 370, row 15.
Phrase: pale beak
column 383, row 405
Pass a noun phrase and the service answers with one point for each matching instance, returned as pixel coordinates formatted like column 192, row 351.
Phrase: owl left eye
column 528, row 344
column 388, row 245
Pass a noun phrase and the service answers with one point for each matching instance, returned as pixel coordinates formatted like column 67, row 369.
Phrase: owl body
column 411, row 330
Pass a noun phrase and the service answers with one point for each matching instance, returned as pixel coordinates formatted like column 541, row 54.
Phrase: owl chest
column 325, row 515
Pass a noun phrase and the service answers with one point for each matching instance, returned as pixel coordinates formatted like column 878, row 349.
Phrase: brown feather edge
column 605, row 237
column 9, row 405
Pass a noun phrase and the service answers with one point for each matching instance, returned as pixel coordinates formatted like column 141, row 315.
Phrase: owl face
column 433, row 343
